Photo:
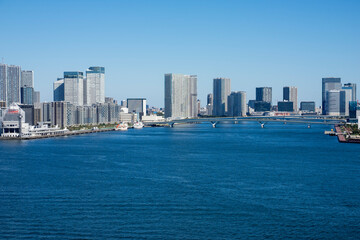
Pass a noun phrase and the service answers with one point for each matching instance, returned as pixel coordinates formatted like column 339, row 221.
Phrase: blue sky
column 255, row 43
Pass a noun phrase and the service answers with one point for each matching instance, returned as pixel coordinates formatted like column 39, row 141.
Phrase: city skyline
column 254, row 44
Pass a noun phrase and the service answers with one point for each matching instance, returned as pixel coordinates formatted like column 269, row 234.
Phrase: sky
column 254, row 43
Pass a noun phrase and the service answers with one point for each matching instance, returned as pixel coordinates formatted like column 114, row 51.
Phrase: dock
column 70, row 133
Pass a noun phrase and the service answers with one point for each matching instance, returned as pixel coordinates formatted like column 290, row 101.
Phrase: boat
column 121, row 127
column 138, row 125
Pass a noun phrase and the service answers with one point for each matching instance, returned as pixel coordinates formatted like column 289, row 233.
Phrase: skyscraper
column 13, row 84
column 353, row 88
column 290, row 95
column 221, row 91
column 335, row 102
column 180, row 95
column 327, row 85
column 27, row 79
column 27, row 95
column 36, row 98
column 3, row 80
column 94, row 90
column 73, row 88
column 347, row 98
column 264, row 94
column 237, row 104
column 59, row 90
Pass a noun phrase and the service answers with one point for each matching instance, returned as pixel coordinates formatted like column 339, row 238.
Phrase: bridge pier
column 171, row 125
column 262, row 124
column 309, row 126
column 214, row 124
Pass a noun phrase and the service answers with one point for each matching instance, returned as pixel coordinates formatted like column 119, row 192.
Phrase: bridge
column 262, row 120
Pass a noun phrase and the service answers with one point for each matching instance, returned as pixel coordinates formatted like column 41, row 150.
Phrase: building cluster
column 180, row 99
column 17, row 86
column 78, row 99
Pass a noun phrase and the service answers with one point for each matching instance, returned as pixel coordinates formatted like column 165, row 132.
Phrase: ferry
column 121, row 127
column 138, row 125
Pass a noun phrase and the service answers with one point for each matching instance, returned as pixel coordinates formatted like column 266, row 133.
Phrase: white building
column 94, row 86
column 27, row 79
column 180, row 95
column 73, row 88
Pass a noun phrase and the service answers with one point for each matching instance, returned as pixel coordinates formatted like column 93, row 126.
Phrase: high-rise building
column 237, row 104
column 13, row 84
column 221, row 92
column 36, row 99
column 27, row 79
column 264, row 94
column 290, row 95
column 3, row 80
column 348, row 98
column 353, row 88
column 94, row 86
column 335, row 102
column 180, row 95
column 263, row 99
column 59, row 90
column 327, row 85
column 27, row 95
column 73, row 88
column 137, row 105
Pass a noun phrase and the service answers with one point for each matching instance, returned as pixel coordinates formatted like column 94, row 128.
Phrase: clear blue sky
column 255, row 43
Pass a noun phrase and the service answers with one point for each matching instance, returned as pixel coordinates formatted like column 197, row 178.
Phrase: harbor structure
column 221, row 92
column 180, row 95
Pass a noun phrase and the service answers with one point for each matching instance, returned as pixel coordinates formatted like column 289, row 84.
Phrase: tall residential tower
column 221, row 92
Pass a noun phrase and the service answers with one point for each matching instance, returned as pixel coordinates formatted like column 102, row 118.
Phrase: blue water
column 188, row 182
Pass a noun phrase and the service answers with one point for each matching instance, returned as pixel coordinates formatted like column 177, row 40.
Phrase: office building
column 335, row 102
column 29, row 113
column 264, row 94
column 73, row 88
column 58, row 87
column 260, row 106
column 307, row 106
column 329, row 84
column 36, row 99
column 94, row 86
column 221, row 92
column 352, row 86
column 180, row 95
column 137, row 105
column 237, row 104
column 27, row 95
column 290, row 95
column 285, row 106
column 353, row 107
column 348, row 97
column 27, row 79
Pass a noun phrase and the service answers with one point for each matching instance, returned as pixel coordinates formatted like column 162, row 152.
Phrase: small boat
column 121, row 127
column 138, row 125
